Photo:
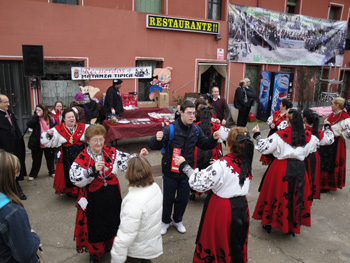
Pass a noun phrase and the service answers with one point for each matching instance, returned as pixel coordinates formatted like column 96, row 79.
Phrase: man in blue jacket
column 180, row 139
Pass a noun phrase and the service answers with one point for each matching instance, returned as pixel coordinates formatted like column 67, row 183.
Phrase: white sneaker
column 164, row 228
column 180, row 227
column 52, row 175
column 31, row 178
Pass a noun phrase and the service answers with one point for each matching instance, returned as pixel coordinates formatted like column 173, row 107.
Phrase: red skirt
column 59, row 182
column 272, row 205
column 336, row 179
column 223, row 235
column 265, row 159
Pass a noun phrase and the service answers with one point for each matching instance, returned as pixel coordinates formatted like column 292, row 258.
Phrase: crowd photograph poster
column 258, row 35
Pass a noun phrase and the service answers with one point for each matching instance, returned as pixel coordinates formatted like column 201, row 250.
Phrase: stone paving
column 327, row 240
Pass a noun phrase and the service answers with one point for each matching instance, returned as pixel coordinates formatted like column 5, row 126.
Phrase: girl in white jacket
column 138, row 238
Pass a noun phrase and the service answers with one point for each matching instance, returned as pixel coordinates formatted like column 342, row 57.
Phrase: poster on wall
column 111, row 73
column 263, row 36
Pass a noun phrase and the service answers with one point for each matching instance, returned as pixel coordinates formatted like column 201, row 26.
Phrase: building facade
column 114, row 34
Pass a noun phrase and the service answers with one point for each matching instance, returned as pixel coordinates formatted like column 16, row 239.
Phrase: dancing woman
column 333, row 157
column 284, row 200
column 69, row 137
column 313, row 161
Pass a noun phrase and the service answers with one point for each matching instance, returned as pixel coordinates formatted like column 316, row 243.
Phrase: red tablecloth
column 130, row 130
column 142, row 112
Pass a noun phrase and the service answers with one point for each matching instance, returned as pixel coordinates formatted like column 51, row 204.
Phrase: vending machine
column 274, row 86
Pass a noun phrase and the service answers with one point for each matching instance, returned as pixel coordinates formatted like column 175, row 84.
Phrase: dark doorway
column 209, row 79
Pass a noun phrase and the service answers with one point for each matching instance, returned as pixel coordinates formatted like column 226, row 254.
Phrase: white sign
column 220, row 53
column 79, row 73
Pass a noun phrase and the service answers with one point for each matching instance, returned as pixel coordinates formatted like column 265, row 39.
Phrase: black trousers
column 243, row 117
column 137, row 260
column 37, row 156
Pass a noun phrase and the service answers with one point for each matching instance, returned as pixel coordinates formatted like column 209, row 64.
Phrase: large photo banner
column 258, row 35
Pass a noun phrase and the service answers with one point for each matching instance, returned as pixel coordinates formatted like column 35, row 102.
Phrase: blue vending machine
column 274, row 86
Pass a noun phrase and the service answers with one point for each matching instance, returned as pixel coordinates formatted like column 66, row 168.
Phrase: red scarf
column 333, row 119
column 86, row 161
column 286, row 135
column 78, row 133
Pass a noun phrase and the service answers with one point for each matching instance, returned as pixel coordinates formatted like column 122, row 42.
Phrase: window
column 145, row 84
column 347, row 43
column 291, row 6
column 214, row 9
column 335, row 12
column 252, row 72
column 66, row 2
column 149, row 6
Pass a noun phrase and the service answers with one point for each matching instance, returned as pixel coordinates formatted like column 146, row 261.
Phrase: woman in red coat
column 333, row 157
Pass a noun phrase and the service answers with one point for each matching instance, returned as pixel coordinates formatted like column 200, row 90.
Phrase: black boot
column 93, row 260
column 20, row 192
column 291, row 233
column 267, row 228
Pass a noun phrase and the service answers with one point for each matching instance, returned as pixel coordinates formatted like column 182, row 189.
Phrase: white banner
column 79, row 73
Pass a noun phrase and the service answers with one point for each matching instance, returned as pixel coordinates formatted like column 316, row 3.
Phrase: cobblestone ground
column 327, row 240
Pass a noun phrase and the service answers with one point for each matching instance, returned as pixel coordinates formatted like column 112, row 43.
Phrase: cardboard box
column 162, row 99
column 147, row 104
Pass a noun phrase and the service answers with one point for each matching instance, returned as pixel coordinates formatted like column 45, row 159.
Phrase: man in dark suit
column 243, row 101
column 11, row 139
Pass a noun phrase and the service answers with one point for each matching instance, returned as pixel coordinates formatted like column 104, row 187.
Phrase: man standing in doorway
column 11, row 139
column 179, row 138
column 243, row 101
column 220, row 106
column 113, row 103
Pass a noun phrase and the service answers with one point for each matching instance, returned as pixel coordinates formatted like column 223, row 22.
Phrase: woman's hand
column 143, row 152
column 272, row 126
column 256, row 129
column 50, row 132
column 99, row 166
column 179, row 160
column 326, row 122
column 216, row 135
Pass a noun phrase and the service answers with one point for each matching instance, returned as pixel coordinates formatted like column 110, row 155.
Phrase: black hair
column 312, row 118
column 347, row 106
column 298, row 132
column 205, row 124
column 287, row 103
column 208, row 97
column 186, row 104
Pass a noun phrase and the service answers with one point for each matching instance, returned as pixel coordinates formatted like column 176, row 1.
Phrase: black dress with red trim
column 69, row 151
column 202, row 158
column 333, row 158
column 224, row 227
column 214, row 154
column 97, row 225
column 313, row 168
column 285, row 198
column 277, row 118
